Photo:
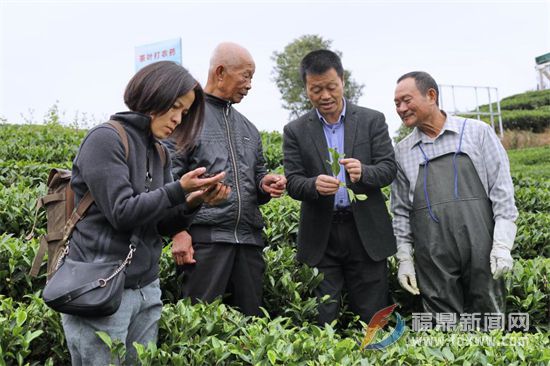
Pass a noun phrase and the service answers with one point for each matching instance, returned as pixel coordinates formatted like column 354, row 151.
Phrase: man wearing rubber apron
column 453, row 205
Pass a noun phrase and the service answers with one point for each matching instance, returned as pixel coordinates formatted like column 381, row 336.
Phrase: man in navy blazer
column 348, row 242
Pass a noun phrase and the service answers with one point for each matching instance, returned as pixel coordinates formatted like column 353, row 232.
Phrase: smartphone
column 209, row 175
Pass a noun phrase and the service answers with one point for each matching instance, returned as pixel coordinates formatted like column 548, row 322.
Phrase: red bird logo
column 377, row 322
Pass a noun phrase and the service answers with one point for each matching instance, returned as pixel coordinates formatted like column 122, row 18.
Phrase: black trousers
column 233, row 270
column 347, row 266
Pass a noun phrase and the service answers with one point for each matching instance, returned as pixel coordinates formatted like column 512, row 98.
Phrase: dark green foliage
column 199, row 334
column 50, row 143
column 169, row 282
column 533, row 198
column 532, row 162
column 273, row 151
column 528, row 290
column 30, row 333
column 281, row 217
column 533, row 235
column 216, row 334
column 18, row 208
column 16, row 257
column 402, row 132
column 526, row 101
column 526, row 111
column 27, row 174
column 532, row 120
column 288, row 285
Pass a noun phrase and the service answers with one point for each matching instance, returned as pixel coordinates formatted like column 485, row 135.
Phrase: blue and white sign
column 169, row 50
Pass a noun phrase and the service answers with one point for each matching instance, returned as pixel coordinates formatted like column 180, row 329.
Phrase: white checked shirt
column 482, row 146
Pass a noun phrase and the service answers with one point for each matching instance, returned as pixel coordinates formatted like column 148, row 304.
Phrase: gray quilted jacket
column 228, row 142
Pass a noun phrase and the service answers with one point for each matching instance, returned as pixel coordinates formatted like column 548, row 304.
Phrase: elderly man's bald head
column 230, row 73
column 229, row 54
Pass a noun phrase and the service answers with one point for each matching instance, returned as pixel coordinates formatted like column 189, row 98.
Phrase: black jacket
column 228, row 142
column 122, row 205
column 305, row 154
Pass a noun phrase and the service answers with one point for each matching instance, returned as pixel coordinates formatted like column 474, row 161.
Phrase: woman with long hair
column 136, row 201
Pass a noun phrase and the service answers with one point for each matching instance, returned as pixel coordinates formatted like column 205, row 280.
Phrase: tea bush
column 29, row 174
column 532, row 162
column 532, row 199
column 30, row 333
column 272, row 143
column 524, row 101
column 533, row 235
column 214, row 334
column 16, row 257
column 536, row 120
column 18, row 208
column 281, row 217
column 528, row 290
column 289, row 285
column 50, row 143
column 526, row 111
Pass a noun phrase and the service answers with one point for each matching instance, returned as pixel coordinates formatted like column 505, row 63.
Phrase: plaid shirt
column 482, row 146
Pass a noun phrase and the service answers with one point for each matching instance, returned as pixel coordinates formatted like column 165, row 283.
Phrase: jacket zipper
column 234, row 161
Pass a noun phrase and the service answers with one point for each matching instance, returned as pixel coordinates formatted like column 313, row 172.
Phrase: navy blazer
column 306, row 153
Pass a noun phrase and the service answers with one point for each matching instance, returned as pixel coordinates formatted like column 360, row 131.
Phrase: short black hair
column 318, row 62
column 155, row 88
column 423, row 82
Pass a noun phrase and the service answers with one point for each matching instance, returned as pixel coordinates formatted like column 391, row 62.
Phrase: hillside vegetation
column 525, row 119
column 529, row 111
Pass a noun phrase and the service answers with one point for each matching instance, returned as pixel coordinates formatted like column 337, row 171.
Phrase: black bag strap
column 79, row 291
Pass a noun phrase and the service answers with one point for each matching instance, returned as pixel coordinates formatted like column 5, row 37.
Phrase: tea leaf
column 335, row 165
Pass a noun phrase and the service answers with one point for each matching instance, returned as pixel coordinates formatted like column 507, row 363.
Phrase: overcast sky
column 82, row 53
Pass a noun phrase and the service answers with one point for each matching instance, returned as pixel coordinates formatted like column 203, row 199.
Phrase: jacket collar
column 135, row 119
column 216, row 101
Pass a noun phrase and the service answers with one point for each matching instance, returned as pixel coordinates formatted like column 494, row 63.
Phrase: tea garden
column 214, row 334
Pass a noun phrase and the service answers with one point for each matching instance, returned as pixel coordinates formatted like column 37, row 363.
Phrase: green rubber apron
column 452, row 224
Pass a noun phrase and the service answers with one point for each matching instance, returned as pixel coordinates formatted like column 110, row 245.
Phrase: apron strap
column 458, row 151
column 426, row 196
column 455, row 169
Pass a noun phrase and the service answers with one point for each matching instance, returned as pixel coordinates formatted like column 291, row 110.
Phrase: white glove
column 407, row 276
column 501, row 259
column 503, row 240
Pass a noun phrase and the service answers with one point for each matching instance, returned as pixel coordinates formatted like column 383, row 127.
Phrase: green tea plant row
column 288, row 285
column 18, row 212
column 526, row 111
column 18, row 155
column 533, row 120
column 27, row 173
column 50, row 143
column 208, row 334
column 524, row 101
column 214, row 334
